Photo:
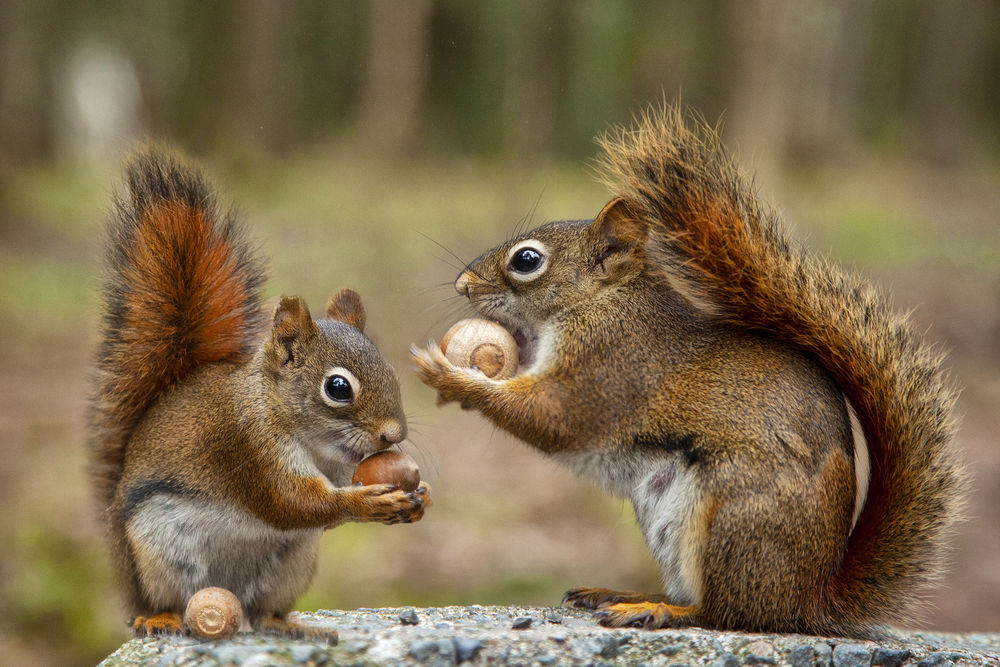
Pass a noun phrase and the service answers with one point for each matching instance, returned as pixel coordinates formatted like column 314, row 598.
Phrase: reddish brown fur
column 214, row 436
column 217, row 325
column 681, row 323
column 732, row 253
column 181, row 292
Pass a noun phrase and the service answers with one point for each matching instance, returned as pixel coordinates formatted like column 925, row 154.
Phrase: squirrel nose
column 462, row 284
column 391, row 432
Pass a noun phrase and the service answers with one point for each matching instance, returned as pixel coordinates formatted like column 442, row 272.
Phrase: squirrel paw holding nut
column 385, row 503
column 452, row 382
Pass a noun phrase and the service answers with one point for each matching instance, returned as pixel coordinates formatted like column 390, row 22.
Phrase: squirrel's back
column 181, row 290
column 720, row 247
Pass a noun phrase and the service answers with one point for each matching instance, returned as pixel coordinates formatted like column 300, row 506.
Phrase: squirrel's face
column 331, row 382
column 528, row 281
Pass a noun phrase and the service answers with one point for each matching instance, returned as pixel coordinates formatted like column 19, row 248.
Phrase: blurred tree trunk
column 827, row 55
column 260, row 104
column 393, row 90
column 25, row 81
column 530, row 78
column 950, row 67
column 761, row 42
column 600, row 63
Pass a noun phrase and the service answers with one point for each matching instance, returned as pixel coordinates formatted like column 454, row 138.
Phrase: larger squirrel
column 224, row 439
column 682, row 352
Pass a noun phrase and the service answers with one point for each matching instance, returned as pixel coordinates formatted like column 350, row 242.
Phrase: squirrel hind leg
column 646, row 615
column 597, row 598
column 280, row 625
column 165, row 623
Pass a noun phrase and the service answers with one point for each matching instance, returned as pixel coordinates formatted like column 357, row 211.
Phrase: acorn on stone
column 388, row 467
column 213, row 613
column 482, row 344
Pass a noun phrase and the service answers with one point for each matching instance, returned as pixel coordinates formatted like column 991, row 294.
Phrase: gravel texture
column 501, row 636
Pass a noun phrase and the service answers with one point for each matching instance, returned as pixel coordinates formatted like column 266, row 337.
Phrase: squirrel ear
column 619, row 233
column 346, row 306
column 293, row 325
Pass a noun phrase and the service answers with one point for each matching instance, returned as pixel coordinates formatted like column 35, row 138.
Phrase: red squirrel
column 680, row 350
column 223, row 438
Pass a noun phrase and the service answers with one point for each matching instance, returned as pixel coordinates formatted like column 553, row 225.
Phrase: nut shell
column 213, row 613
column 482, row 344
column 388, row 467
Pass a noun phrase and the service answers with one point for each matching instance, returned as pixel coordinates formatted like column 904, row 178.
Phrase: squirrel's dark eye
column 526, row 260
column 338, row 388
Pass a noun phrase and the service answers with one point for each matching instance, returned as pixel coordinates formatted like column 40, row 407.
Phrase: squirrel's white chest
column 668, row 507
column 185, row 544
column 667, row 502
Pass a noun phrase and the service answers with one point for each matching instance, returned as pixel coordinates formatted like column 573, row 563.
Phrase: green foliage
column 58, row 593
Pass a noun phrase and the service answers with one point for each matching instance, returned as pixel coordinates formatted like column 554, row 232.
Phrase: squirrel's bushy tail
column 728, row 253
column 181, row 290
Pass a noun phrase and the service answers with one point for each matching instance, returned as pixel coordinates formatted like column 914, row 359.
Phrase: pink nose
column 462, row 284
column 391, row 432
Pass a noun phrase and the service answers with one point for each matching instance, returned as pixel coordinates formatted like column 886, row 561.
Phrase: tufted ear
column 619, row 233
column 293, row 326
column 346, row 306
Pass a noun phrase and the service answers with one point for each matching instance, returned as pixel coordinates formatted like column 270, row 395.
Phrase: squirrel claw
column 451, row 382
column 165, row 623
column 646, row 615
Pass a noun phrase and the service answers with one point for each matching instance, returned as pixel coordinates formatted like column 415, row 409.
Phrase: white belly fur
column 183, row 545
column 668, row 507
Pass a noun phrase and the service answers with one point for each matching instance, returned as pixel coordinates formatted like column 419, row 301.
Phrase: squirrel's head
column 331, row 385
column 559, row 266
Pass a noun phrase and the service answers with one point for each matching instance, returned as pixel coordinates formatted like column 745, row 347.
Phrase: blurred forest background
column 374, row 144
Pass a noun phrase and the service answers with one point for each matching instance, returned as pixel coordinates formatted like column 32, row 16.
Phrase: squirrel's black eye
column 338, row 389
column 526, row 260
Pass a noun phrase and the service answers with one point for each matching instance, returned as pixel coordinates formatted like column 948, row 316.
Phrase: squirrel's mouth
column 524, row 347
column 351, row 455
column 522, row 335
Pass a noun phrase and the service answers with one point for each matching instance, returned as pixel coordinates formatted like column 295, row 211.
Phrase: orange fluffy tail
column 728, row 254
column 181, row 290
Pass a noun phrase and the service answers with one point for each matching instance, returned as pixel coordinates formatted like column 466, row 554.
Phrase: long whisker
column 527, row 219
column 465, row 266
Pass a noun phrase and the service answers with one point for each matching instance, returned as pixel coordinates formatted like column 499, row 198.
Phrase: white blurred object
column 100, row 103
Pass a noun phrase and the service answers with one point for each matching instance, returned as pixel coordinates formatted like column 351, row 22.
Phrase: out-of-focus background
column 378, row 145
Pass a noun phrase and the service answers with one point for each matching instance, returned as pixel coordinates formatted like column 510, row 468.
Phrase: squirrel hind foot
column 597, row 598
column 165, row 623
column 646, row 615
column 278, row 625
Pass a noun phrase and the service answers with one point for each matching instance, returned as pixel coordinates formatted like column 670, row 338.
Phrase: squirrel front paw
column 384, row 503
column 451, row 382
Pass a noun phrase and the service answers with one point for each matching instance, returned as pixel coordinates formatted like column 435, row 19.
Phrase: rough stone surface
column 851, row 655
column 408, row 617
column 485, row 636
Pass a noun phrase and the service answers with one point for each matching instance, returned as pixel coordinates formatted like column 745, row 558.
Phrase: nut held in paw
column 388, row 467
column 482, row 344
column 213, row 613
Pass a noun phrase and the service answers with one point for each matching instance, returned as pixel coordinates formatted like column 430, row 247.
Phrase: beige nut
column 388, row 467
column 213, row 613
column 482, row 344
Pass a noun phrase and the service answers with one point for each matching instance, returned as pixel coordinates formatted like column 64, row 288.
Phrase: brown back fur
column 727, row 253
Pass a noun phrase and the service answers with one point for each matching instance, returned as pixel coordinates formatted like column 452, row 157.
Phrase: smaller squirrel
column 680, row 351
column 223, row 440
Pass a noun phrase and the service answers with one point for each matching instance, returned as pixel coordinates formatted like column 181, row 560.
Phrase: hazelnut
column 482, row 344
column 213, row 613
column 388, row 467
